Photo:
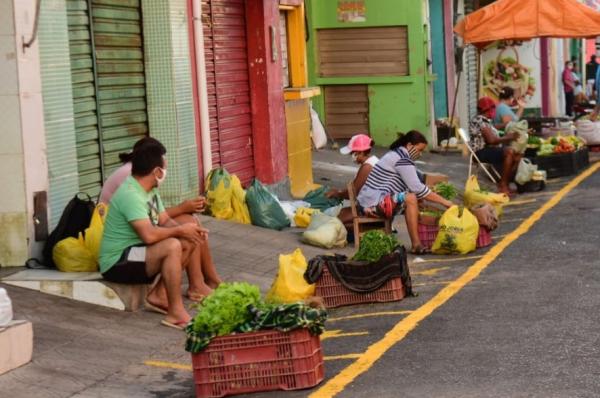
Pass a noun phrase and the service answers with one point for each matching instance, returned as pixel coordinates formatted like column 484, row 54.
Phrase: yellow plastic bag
column 458, row 232
column 474, row 196
column 71, row 255
column 238, row 202
column 93, row 234
column 303, row 216
column 219, row 194
column 289, row 285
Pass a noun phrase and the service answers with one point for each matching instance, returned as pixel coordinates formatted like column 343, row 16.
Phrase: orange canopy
column 527, row 19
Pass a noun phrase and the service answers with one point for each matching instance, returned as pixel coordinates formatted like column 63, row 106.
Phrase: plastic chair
column 466, row 139
column 359, row 221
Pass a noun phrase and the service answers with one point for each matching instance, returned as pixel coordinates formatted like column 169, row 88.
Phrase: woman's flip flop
column 154, row 308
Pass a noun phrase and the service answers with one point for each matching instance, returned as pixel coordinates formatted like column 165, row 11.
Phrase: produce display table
column 563, row 164
column 538, row 123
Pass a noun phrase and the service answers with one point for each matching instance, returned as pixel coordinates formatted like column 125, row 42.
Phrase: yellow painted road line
column 345, row 356
column 430, row 272
column 168, row 365
column 432, row 283
column 445, row 260
column 511, row 219
column 370, row 314
column 337, row 384
column 520, row 202
column 332, row 334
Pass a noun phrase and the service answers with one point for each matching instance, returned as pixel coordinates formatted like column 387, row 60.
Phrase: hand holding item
column 332, row 193
column 196, row 205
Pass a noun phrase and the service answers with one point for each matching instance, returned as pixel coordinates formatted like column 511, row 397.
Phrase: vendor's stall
column 514, row 20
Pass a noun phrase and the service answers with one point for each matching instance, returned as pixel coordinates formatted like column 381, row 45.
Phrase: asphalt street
column 525, row 327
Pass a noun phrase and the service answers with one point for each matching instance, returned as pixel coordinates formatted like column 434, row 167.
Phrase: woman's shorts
column 131, row 267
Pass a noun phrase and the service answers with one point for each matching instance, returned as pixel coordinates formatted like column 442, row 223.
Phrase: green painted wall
column 396, row 103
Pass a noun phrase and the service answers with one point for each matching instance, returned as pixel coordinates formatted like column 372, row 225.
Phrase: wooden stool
column 360, row 222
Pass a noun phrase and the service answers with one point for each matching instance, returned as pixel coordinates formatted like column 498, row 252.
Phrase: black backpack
column 75, row 218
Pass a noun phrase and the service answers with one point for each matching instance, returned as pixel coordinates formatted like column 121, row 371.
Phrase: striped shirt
column 394, row 173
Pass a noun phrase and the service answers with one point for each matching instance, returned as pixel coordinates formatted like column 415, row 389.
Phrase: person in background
column 114, row 181
column 578, row 91
column 590, row 73
column 393, row 185
column 182, row 214
column 486, row 143
column 504, row 112
column 140, row 240
column 360, row 147
column 569, row 82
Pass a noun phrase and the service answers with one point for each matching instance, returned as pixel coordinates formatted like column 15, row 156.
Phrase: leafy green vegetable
column 445, row 190
column 533, row 140
column 226, row 308
column 432, row 213
column 374, row 245
column 546, row 149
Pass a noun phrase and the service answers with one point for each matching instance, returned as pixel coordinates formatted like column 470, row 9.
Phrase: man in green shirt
column 141, row 241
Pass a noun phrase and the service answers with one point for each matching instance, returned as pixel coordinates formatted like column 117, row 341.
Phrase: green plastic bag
column 265, row 211
column 319, row 201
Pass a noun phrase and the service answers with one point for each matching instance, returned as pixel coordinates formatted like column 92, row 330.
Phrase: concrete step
column 16, row 345
column 88, row 287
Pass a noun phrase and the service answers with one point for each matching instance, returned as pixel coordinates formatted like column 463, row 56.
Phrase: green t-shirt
column 129, row 203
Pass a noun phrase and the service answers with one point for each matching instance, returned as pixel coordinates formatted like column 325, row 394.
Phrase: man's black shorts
column 131, row 267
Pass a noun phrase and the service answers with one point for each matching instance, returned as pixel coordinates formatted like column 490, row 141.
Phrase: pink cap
column 358, row 143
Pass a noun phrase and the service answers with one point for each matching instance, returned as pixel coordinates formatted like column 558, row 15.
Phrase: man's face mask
column 355, row 157
column 160, row 180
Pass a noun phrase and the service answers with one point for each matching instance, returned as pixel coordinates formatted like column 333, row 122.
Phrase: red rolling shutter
column 228, row 86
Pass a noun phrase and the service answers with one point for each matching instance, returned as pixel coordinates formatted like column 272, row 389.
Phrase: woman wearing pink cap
column 485, row 142
column 360, row 147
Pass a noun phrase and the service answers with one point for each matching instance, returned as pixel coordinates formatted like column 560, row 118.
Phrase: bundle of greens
column 534, row 141
column 226, row 308
column 431, row 213
column 374, row 245
column 445, row 190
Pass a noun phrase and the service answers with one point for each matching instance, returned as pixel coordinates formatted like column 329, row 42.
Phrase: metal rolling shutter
column 379, row 51
column 346, row 110
column 109, row 79
column 228, row 86
column 117, row 27
column 84, row 97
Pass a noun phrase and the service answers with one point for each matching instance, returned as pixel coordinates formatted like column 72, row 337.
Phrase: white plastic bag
column 6, row 312
column 525, row 171
column 589, row 131
column 325, row 231
column 319, row 137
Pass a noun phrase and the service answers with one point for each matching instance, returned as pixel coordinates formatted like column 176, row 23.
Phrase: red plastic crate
column 334, row 294
column 427, row 234
column 258, row 361
column 484, row 238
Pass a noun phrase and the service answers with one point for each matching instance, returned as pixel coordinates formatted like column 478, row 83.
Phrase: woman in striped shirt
column 393, row 184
